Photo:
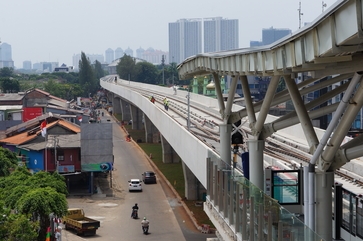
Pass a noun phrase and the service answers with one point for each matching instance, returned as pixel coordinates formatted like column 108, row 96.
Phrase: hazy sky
column 49, row 30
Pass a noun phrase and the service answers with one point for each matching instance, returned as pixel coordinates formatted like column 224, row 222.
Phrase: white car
column 135, row 185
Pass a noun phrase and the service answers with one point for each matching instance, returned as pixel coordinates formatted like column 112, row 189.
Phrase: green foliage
column 98, row 70
column 146, row 72
column 125, row 68
column 87, row 77
column 16, row 226
column 8, row 161
column 6, row 72
column 20, row 227
column 36, row 195
column 9, row 85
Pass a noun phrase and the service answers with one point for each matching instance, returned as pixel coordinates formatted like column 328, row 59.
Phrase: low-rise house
column 59, row 150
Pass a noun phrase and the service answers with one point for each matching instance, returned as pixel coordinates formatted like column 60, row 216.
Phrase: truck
column 76, row 220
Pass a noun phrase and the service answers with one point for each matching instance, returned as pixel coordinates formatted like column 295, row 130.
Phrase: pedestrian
column 167, row 105
column 57, row 234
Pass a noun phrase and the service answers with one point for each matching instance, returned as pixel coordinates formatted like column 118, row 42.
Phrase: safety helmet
column 144, row 218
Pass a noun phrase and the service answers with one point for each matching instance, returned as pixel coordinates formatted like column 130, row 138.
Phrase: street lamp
column 172, row 69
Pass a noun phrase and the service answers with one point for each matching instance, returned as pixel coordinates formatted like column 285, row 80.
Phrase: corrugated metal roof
column 64, row 141
column 11, row 96
column 25, row 137
column 11, row 107
column 49, row 95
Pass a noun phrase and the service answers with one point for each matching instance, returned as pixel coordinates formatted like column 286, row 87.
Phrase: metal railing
column 245, row 212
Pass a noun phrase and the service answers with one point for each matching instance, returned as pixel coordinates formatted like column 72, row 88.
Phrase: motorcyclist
column 135, row 207
column 145, row 225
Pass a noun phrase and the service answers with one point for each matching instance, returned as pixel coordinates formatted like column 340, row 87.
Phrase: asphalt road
column 168, row 219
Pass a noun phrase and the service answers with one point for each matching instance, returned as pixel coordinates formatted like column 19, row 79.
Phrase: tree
column 87, row 77
column 146, row 72
column 9, row 85
column 40, row 203
column 125, row 68
column 8, row 161
column 16, row 226
column 99, row 71
column 37, row 195
column 6, row 72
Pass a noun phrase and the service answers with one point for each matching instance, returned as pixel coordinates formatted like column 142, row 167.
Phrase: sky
column 54, row 31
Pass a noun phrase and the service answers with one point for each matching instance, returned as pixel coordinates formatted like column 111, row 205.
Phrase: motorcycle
column 134, row 214
column 145, row 229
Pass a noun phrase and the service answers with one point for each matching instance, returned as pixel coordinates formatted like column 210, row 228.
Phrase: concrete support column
column 256, row 148
column 193, row 188
column 225, row 137
column 136, row 117
column 169, row 155
column 116, row 106
column 151, row 132
column 125, row 110
column 323, row 187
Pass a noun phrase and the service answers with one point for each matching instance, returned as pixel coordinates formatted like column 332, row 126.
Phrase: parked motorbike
column 134, row 214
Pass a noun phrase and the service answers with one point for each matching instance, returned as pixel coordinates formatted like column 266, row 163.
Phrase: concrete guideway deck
column 329, row 47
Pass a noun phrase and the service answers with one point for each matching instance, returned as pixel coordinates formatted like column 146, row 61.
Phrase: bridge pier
column 169, row 154
column 151, row 132
column 136, row 117
column 125, row 110
column 323, row 194
column 194, row 190
column 256, row 148
column 116, row 102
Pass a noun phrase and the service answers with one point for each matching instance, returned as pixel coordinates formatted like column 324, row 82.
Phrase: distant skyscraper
column 27, row 64
column 91, row 57
column 119, row 53
column 220, row 34
column 270, row 35
column 110, row 56
column 185, row 39
column 5, row 56
column 154, row 56
column 139, row 52
column 129, row 52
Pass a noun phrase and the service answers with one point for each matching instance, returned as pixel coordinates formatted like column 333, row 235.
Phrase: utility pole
column 300, row 13
column 56, row 141
column 162, row 64
column 172, row 69
column 188, row 102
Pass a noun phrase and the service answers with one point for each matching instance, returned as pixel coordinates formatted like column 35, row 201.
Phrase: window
column 360, row 217
column 60, row 155
column 286, row 187
column 346, row 210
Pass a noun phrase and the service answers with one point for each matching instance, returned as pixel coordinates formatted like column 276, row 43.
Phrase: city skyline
column 51, row 32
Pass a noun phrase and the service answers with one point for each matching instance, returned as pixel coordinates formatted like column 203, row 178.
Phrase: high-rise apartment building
column 270, row 35
column 185, row 39
column 129, row 52
column 91, row 57
column 110, row 55
column 6, row 56
column 27, row 64
column 119, row 53
column 220, row 34
column 139, row 52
